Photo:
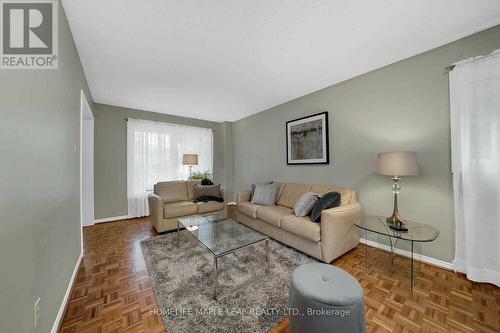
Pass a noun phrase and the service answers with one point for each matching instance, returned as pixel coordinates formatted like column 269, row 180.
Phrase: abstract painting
column 307, row 140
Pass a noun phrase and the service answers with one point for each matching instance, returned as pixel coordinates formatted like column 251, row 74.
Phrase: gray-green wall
column 110, row 151
column 40, row 187
column 404, row 106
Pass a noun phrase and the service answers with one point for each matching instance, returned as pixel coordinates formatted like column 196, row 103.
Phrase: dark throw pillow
column 206, row 190
column 329, row 200
column 206, row 181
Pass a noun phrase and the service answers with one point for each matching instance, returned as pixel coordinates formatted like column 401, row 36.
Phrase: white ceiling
column 224, row 60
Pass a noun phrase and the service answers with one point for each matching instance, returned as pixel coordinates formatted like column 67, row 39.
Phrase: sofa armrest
column 338, row 232
column 223, row 193
column 243, row 196
column 155, row 203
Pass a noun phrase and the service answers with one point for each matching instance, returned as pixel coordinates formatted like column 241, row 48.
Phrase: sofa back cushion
column 172, row 191
column 347, row 195
column 290, row 193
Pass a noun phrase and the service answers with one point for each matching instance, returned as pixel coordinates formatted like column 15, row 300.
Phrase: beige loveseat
column 174, row 199
column 334, row 236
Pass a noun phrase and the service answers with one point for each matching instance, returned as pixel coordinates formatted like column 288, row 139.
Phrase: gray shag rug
column 183, row 284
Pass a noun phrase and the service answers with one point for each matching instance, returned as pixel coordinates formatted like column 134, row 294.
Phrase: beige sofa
column 334, row 236
column 174, row 199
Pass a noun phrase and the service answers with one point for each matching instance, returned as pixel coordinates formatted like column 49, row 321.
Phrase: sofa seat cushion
column 302, row 226
column 249, row 209
column 273, row 214
column 176, row 209
column 210, row 206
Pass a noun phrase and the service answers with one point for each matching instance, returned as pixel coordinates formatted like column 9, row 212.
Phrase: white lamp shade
column 190, row 159
column 397, row 163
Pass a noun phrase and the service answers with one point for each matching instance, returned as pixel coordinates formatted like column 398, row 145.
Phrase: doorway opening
column 87, row 162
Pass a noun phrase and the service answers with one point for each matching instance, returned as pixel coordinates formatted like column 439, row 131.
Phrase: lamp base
column 395, row 218
column 398, row 227
column 396, row 222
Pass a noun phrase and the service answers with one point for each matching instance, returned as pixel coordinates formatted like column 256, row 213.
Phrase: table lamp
column 190, row 159
column 397, row 164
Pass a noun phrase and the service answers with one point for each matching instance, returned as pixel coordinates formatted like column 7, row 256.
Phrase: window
column 154, row 153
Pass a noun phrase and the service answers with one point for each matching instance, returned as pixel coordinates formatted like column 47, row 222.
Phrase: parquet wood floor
column 113, row 293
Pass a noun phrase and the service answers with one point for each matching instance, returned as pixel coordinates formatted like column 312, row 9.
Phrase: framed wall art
column 307, row 140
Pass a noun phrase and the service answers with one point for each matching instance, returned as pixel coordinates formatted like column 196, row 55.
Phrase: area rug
column 181, row 275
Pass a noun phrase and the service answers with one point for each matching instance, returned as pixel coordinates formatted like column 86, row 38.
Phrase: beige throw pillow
column 304, row 205
column 265, row 194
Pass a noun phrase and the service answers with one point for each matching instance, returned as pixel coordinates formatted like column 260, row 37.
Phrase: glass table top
column 417, row 232
column 220, row 234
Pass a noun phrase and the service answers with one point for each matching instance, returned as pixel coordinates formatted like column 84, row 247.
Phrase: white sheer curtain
column 154, row 153
column 475, row 129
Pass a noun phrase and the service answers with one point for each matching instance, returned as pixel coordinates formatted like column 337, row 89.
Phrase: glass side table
column 417, row 232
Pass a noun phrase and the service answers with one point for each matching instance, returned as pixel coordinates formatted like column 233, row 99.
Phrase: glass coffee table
column 417, row 232
column 222, row 236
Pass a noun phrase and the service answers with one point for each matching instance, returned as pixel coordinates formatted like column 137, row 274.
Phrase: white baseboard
column 62, row 308
column 428, row 260
column 110, row 219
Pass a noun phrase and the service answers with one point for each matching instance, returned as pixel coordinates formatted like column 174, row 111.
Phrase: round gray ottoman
column 324, row 298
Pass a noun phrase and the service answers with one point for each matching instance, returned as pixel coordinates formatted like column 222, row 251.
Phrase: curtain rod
column 449, row 68
column 163, row 122
column 452, row 67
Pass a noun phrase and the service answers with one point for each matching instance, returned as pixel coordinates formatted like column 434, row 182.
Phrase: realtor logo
column 29, row 34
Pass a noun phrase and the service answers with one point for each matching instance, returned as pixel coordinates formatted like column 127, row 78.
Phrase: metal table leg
column 411, row 268
column 178, row 228
column 392, row 254
column 216, row 269
column 216, row 280
column 366, row 251
column 268, row 262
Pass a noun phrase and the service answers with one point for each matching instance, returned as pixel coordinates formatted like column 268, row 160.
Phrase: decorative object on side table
column 190, row 159
column 397, row 164
column 307, row 140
